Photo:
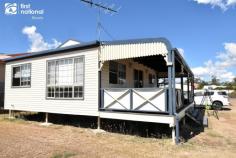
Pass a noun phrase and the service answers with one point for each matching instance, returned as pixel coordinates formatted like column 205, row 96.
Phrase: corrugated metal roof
column 81, row 46
column 123, row 49
column 111, row 50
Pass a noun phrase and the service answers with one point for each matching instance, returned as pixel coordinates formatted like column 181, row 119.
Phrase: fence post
column 131, row 99
column 102, row 98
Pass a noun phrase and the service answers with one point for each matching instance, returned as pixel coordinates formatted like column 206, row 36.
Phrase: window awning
column 125, row 49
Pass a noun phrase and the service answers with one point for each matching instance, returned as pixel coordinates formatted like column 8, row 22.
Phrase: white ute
column 218, row 98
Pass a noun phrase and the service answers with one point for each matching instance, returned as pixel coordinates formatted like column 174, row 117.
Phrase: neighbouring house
column 69, row 42
column 124, row 79
column 217, row 87
column 2, row 74
column 211, row 87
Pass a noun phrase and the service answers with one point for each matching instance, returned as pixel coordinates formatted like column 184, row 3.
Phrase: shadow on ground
column 226, row 109
column 2, row 111
column 142, row 129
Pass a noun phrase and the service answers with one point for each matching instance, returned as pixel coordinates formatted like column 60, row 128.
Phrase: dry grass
column 29, row 139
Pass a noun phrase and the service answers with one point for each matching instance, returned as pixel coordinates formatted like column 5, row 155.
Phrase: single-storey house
column 2, row 74
column 124, row 79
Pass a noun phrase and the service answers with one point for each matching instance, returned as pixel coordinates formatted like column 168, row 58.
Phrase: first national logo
column 10, row 8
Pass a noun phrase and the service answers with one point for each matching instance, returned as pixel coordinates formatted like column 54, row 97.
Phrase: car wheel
column 217, row 105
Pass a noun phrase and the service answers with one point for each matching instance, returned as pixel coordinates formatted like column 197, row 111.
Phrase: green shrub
column 65, row 154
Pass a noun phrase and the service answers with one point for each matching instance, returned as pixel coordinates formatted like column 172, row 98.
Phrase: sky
column 204, row 31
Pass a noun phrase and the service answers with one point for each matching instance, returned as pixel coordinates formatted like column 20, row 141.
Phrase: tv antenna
column 107, row 9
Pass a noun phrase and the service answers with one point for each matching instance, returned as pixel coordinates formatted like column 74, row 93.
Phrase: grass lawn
column 29, row 139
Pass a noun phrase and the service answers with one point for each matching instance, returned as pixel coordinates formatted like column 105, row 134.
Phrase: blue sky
column 204, row 29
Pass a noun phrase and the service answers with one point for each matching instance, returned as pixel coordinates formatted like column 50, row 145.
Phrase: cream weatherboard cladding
column 34, row 98
column 130, row 67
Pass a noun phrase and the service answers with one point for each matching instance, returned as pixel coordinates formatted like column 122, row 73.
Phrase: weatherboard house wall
column 130, row 67
column 33, row 98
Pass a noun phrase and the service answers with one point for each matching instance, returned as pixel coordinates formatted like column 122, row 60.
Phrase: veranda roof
column 124, row 49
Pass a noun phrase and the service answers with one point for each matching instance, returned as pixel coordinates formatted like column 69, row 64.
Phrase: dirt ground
column 29, row 139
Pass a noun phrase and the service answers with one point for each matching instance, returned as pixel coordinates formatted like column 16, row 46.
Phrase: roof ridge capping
column 141, row 40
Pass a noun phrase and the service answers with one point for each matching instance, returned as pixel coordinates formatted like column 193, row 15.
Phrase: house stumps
column 173, row 135
column 46, row 118
column 10, row 114
column 46, row 123
column 98, row 123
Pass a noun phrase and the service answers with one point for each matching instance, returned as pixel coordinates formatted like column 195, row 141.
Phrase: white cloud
column 37, row 40
column 227, row 58
column 219, row 68
column 181, row 51
column 200, row 71
column 223, row 4
column 231, row 2
column 212, row 69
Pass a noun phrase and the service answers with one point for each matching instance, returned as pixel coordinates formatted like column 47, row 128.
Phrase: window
column 222, row 93
column 151, row 78
column 21, row 75
column 117, row 73
column 65, row 78
column 138, row 79
column 208, row 93
column 198, row 94
column 121, row 74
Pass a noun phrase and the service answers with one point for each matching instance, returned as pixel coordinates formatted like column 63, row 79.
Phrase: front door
column 138, row 79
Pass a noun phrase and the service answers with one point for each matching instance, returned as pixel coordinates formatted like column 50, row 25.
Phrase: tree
column 201, row 83
column 234, row 81
column 214, row 80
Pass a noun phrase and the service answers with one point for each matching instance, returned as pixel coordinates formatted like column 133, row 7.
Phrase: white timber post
column 9, row 116
column 46, row 117
column 173, row 135
column 99, row 123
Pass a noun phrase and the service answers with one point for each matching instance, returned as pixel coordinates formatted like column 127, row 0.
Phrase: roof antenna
column 107, row 10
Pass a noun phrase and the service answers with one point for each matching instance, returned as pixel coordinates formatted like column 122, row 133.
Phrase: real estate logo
column 10, row 8
column 24, row 9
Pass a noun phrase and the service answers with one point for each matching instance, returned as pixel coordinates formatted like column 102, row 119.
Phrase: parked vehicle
column 217, row 98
